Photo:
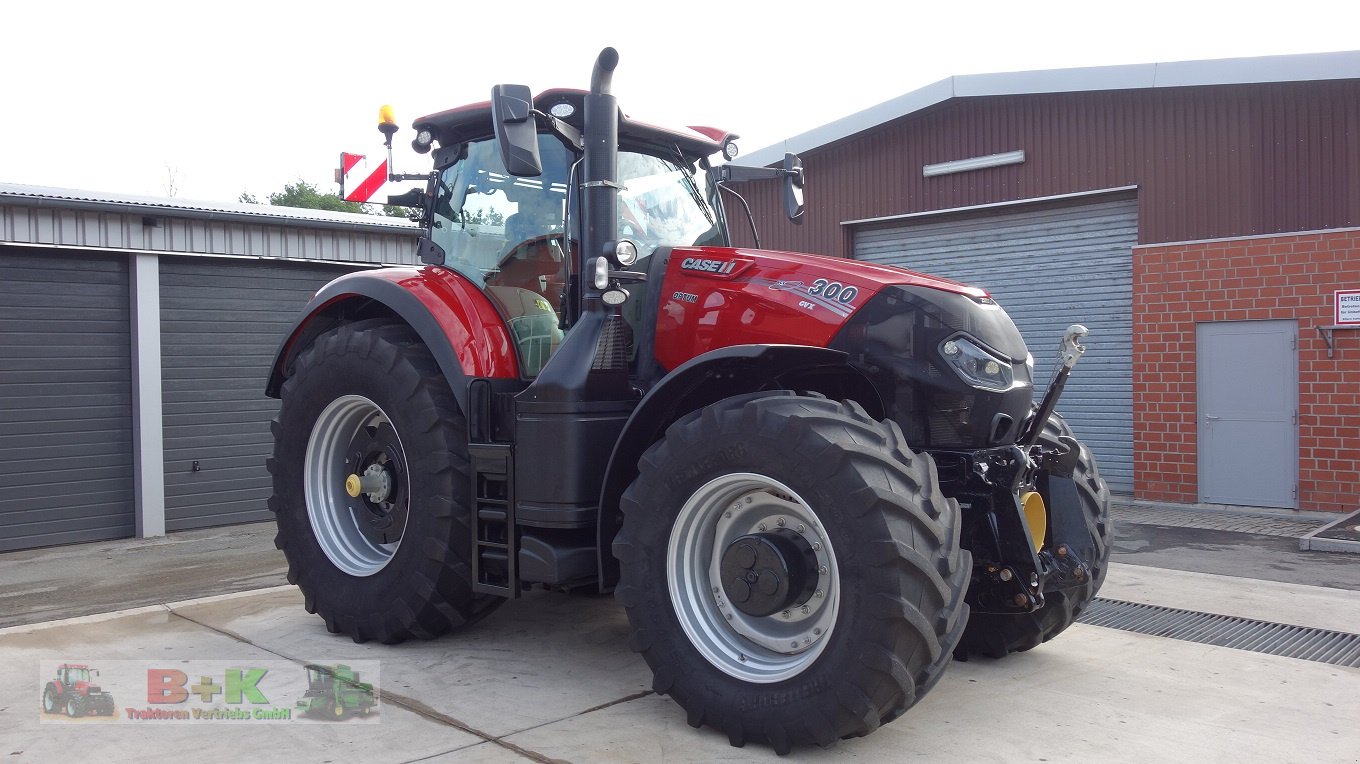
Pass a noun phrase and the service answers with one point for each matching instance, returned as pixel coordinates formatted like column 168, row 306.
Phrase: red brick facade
column 1290, row 276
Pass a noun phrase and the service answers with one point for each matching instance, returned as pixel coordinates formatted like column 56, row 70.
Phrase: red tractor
column 73, row 691
column 810, row 481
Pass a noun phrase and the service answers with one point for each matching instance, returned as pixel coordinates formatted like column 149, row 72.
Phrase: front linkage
column 1023, row 545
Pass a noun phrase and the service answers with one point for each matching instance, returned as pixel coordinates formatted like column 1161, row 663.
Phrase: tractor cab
column 517, row 236
column 71, row 675
column 319, row 680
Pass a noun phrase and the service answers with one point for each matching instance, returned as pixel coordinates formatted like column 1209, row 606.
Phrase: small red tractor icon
column 73, row 692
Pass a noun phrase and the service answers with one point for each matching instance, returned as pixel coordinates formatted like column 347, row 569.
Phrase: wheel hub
column 764, row 573
column 375, row 458
column 355, row 485
column 375, row 483
column 752, row 577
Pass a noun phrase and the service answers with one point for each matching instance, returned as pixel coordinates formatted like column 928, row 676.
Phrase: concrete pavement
column 550, row 678
column 62, row 582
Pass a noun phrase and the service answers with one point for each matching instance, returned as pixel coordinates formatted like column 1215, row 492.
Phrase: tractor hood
column 840, row 268
column 719, row 296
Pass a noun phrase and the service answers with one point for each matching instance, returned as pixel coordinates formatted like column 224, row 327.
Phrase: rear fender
column 706, row 379
column 453, row 318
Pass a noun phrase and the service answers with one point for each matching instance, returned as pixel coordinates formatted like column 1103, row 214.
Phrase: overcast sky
column 247, row 96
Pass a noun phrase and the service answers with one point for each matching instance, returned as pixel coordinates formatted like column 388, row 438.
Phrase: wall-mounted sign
column 1347, row 302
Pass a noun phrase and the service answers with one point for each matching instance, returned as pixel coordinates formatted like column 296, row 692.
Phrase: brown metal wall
column 1209, row 162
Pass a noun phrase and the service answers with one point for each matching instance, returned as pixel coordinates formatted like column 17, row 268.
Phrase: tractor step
column 494, row 542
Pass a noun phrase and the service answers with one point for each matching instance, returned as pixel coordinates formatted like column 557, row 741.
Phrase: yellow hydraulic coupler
column 1036, row 517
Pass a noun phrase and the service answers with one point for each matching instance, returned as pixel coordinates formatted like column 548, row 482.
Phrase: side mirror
column 512, row 114
column 793, row 187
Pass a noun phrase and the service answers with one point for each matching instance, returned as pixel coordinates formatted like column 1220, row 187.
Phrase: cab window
column 506, row 234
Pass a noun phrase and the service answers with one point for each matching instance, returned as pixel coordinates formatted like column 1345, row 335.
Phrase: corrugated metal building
column 1066, row 192
column 135, row 339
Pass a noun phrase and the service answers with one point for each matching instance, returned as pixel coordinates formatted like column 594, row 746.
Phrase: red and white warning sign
column 358, row 182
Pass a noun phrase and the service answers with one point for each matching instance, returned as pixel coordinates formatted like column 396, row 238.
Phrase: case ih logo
column 708, row 266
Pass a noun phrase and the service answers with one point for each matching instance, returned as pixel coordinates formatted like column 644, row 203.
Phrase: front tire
column 773, row 487
column 73, row 708
column 367, row 411
column 49, row 700
column 1079, row 520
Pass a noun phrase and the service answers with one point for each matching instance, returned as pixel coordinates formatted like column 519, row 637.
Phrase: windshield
column 663, row 203
column 509, row 235
column 483, row 215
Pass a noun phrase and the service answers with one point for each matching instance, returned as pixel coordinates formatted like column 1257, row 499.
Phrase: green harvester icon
column 335, row 692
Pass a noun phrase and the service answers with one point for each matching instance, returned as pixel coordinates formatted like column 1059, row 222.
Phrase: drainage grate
column 1321, row 645
column 1264, row 525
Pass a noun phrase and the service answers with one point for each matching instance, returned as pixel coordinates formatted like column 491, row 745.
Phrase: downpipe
column 570, row 375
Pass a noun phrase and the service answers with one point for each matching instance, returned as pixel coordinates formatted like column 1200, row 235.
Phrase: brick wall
column 1176, row 286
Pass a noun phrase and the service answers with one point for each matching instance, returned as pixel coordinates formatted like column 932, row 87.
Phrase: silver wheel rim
column 754, row 649
column 336, row 519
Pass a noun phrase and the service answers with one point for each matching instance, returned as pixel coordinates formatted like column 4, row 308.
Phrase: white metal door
column 1248, row 413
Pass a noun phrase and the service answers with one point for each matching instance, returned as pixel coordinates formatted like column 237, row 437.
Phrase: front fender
column 703, row 380
column 453, row 318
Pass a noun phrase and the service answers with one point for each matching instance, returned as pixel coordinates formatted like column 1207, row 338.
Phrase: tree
column 307, row 196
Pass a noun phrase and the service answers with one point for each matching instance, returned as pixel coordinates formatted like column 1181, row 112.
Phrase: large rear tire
column 1079, row 519
column 367, row 409
column 858, row 528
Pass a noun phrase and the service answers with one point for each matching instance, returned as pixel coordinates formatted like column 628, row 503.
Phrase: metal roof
column 236, row 212
column 1226, row 71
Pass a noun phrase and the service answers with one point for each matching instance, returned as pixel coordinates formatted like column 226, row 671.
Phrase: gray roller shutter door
column 221, row 322
column 65, row 399
column 1049, row 265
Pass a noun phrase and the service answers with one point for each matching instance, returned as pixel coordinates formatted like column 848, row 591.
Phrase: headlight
column 976, row 366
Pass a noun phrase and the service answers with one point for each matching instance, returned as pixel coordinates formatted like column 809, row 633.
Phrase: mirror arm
column 562, row 130
column 735, row 173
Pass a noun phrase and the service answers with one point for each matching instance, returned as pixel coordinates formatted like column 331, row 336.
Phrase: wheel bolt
column 822, row 570
column 762, row 526
column 806, row 610
column 819, row 594
column 1062, row 551
column 817, row 632
column 802, row 528
column 779, row 521
column 793, row 644
column 816, row 546
column 786, row 614
column 1006, row 574
column 1021, row 600
column 741, row 658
